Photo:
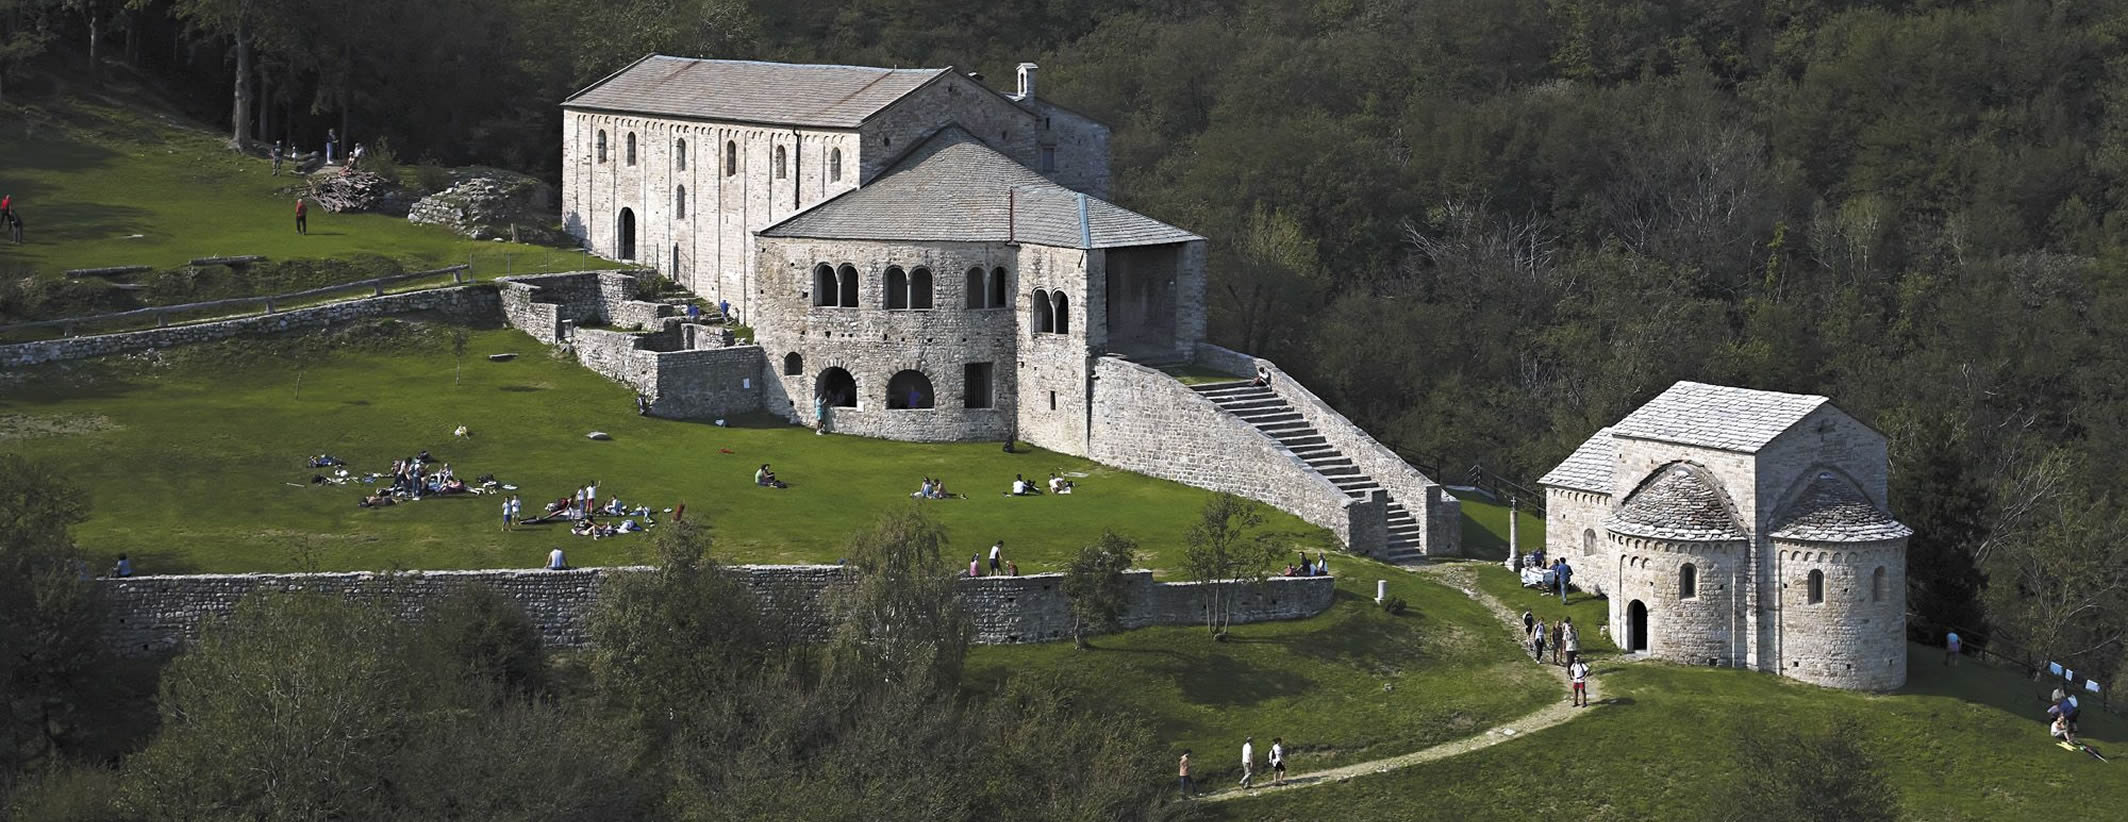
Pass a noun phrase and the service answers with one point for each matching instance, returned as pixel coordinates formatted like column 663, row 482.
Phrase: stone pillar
column 1381, row 590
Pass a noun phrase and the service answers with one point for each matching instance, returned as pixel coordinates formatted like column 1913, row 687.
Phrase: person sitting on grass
column 2061, row 730
column 555, row 561
column 1058, row 485
column 376, row 500
column 767, row 479
column 975, row 565
column 1021, row 487
column 923, row 490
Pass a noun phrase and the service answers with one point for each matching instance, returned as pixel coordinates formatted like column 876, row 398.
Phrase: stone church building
column 924, row 258
column 1744, row 528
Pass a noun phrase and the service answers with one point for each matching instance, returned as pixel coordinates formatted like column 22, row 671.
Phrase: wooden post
column 269, row 305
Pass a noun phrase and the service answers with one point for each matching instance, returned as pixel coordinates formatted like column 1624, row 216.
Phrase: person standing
column 1248, row 762
column 1577, row 673
column 277, row 154
column 1558, row 640
column 7, row 204
column 1183, row 773
column 14, row 226
column 1537, row 641
column 1950, row 649
column 302, row 217
column 508, row 512
column 1571, row 638
column 1529, row 623
column 997, row 550
column 1278, row 761
column 332, row 145
column 724, row 308
column 1564, row 576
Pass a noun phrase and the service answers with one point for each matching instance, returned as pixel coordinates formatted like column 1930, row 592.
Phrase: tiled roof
column 1831, row 509
column 1680, row 503
column 1717, row 416
column 1589, row 467
column 748, row 91
column 952, row 187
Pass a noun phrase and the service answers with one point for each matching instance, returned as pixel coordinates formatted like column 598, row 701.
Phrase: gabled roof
column 1588, row 468
column 1721, row 417
column 952, row 187
column 1681, row 503
column 1831, row 509
column 749, row 91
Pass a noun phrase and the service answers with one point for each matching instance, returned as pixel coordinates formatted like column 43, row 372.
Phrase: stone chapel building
column 1744, row 528
column 923, row 258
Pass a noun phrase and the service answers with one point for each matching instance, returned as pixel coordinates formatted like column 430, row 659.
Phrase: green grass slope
column 112, row 180
column 188, row 458
column 1351, row 685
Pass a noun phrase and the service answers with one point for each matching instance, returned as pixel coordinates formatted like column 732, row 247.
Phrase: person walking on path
column 1577, row 674
column 302, row 217
column 1183, row 774
column 1529, row 623
column 1537, row 641
column 1278, row 761
column 1558, row 640
column 1950, row 649
column 1570, row 637
column 1248, row 762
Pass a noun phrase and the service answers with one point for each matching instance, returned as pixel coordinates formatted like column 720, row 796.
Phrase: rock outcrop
column 358, row 191
column 490, row 204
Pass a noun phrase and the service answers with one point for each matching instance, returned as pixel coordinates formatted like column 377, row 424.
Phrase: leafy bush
column 432, row 178
column 1394, row 605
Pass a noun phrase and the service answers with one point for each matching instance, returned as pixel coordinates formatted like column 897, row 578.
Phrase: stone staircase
column 1264, row 409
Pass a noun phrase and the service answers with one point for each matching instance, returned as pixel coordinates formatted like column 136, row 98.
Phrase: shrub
column 432, row 178
column 1394, row 605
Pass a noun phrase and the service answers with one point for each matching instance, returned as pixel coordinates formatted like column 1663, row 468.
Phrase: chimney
column 1026, row 82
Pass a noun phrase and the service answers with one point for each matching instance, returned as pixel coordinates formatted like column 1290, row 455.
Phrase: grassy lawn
column 1191, row 374
column 115, row 181
column 197, row 463
column 1351, row 685
column 1485, row 527
column 1963, row 744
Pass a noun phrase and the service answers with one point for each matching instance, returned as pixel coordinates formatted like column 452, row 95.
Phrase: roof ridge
column 781, row 64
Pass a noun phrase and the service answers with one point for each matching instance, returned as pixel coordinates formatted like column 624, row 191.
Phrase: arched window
column 1876, row 585
column 973, row 287
column 602, row 145
column 1816, row 587
column 897, row 295
column 847, row 274
column 631, row 148
column 835, row 165
column 731, row 157
column 1588, row 542
column 1688, row 582
column 920, row 288
column 837, row 388
column 780, row 166
column 679, row 202
column 679, row 154
column 1063, row 312
column 1040, row 313
column 825, row 291
column 997, row 287
column 909, row 389
column 793, row 365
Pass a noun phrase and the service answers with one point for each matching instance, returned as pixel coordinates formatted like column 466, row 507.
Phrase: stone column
column 1514, row 533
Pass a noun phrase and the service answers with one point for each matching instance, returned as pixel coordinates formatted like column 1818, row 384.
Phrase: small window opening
column 731, row 157
column 631, row 148
column 780, row 164
column 1688, row 582
column 1816, row 587
column 679, row 155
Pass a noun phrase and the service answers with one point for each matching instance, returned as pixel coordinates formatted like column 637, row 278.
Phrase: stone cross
column 1514, row 533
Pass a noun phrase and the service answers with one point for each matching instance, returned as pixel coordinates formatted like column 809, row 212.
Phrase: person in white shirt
column 1578, row 673
column 1248, row 762
column 996, row 551
column 1278, row 760
column 554, row 560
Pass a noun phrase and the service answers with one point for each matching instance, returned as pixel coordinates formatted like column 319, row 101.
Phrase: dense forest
column 1484, row 228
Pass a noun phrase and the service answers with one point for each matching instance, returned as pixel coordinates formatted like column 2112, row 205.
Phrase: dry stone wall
column 158, row 614
column 475, row 304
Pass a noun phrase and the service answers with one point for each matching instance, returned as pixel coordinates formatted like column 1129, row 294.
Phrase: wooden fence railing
column 161, row 312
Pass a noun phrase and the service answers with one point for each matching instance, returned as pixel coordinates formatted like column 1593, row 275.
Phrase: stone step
column 1247, row 407
column 1412, row 534
column 1337, row 471
column 1328, row 459
column 1269, row 416
column 1296, row 427
column 1243, row 391
column 1296, row 443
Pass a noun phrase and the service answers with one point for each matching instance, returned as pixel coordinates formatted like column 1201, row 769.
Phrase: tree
column 1810, row 776
column 1224, row 555
column 1099, row 592
column 899, row 617
column 50, row 651
column 2063, row 594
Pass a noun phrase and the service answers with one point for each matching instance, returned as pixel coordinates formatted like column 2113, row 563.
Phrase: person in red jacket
column 302, row 217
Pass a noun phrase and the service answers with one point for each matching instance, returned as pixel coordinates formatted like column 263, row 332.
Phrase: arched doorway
column 910, row 389
column 837, row 387
column 624, row 239
column 1636, row 627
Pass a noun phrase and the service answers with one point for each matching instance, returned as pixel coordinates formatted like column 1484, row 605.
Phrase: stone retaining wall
column 475, row 304
column 157, row 614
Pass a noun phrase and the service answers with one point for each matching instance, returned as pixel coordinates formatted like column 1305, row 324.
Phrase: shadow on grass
column 76, row 222
column 1220, row 680
column 521, row 389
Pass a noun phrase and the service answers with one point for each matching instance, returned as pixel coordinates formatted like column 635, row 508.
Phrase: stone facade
column 1776, row 555
column 158, row 614
column 475, row 304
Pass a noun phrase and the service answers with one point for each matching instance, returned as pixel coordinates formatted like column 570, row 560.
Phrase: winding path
column 1558, row 712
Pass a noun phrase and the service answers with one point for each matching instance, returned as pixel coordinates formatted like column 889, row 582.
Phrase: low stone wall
column 468, row 303
column 153, row 615
column 704, row 384
column 1428, row 501
column 1149, row 422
